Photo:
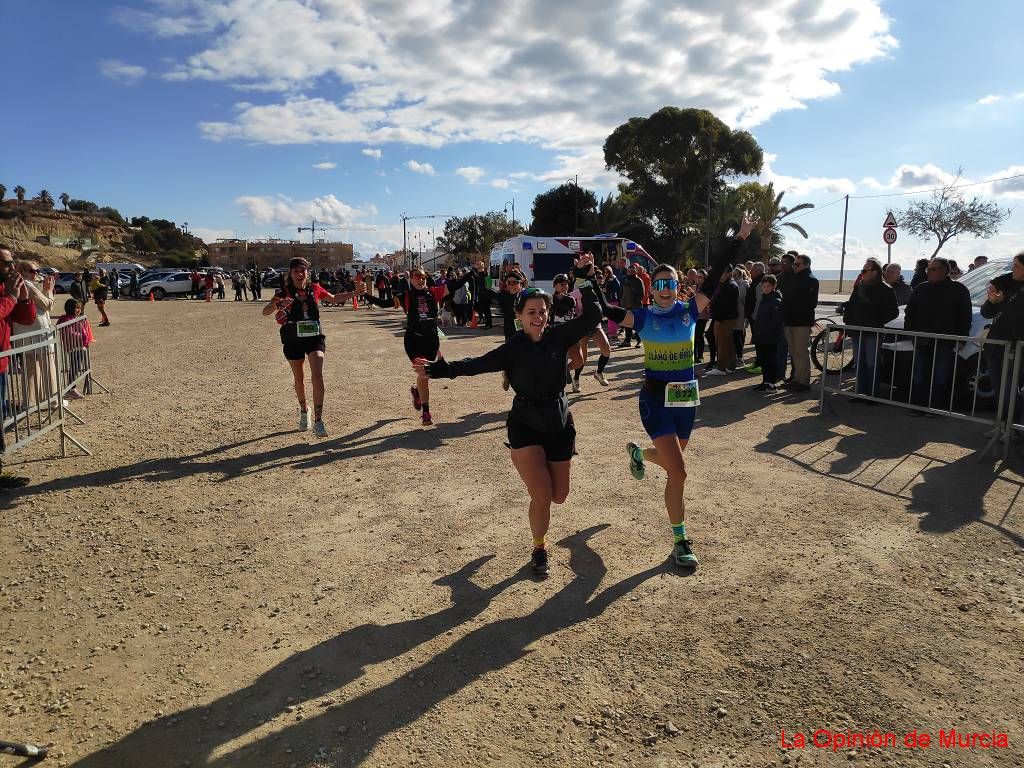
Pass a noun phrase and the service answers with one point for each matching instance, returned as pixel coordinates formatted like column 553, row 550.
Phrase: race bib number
column 307, row 328
column 682, row 394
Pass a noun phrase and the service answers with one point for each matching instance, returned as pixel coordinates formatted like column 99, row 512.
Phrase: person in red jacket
column 15, row 307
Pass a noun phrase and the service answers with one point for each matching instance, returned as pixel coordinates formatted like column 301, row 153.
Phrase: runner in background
column 295, row 306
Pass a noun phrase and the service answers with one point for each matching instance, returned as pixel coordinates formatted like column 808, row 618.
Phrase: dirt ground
column 212, row 588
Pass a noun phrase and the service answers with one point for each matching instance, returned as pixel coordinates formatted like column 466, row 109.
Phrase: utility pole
column 406, row 218
column 707, row 228
column 842, row 255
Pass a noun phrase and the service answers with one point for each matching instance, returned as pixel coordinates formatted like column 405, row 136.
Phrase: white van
column 541, row 258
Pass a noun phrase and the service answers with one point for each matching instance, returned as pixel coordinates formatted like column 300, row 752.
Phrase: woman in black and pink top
column 296, row 309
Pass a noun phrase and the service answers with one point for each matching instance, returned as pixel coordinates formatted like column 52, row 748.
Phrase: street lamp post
column 513, row 204
column 575, row 181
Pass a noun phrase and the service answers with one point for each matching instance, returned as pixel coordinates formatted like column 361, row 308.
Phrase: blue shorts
column 659, row 420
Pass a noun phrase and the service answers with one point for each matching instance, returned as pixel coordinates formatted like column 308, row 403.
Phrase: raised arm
column 722, row 260
column 580, row 327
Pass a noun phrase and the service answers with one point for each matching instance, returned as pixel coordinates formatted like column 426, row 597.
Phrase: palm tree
column 19, row 192
column 45, row 198
column 65, row 198
column 770, row 212
column 3, row 191
column 613, row 214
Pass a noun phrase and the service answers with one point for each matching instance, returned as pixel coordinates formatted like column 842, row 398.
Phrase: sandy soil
column 212, row 588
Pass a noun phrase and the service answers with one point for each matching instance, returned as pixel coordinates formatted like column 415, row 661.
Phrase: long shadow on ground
column 360, row 442
column 200, row 736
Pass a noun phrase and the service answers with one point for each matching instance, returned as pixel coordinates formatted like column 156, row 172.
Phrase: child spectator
column 767, row 334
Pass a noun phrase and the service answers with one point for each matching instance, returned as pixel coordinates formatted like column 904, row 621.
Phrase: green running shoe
column 753, row 369
column 683, row 555
column 636, row 465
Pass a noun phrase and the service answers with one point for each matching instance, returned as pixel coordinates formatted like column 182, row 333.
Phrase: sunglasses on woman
column 665, row 284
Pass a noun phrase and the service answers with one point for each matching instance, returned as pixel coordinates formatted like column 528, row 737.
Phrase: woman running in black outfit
column 541, row 433
column 421, row 333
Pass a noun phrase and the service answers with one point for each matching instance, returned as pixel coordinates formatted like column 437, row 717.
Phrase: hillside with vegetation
column 82, row 233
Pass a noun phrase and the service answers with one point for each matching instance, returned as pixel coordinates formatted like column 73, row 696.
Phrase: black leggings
column 698, row 340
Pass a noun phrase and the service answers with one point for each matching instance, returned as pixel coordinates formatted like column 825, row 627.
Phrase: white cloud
column 995, row 98
column 208, row 235
column 800, row 187
column 499, row 183
column 404, row 82
column 282, row 211
column 374, row 153
column 425, row 168
column 325, row 166
column 916, row 178
column 129, row 74
column 1009, row 187
column 470, row 173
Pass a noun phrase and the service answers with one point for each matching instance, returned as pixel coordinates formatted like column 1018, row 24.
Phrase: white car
column 162, row 286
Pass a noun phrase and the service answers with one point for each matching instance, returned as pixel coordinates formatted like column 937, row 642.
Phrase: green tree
column 771, row 215
column 671, row 161
column 3, row 191
column 85, row 206
column 19, row 192
column 144, row 241
column 562, row 210
column 65, row 198
column 948, row 214
column 45, row 198
column 471, row 236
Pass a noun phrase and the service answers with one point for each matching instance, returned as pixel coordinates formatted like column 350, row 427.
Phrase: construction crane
column 424, row 216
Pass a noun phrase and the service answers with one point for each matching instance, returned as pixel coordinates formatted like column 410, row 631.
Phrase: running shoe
column 539, row 562
column 601, row 379
column 303, row 420
column 319, row 429
column 427, row 421
column 575, row 385
column 415, row 397
column 683, row 555
column 715, row 372
column 636, row 461
column 753, row 369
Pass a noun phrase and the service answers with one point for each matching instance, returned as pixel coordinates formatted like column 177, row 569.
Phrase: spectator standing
column 133, row 284
column 739, row 333
column 236, row 284
column 209, row 281
column 872, row 304
column 766, row 333
column 799, row 290
column 40, row 364
column 754, row 294
column 893, row 276
column 645, row 278
column 115, row 284
column 100, row 289
column 1004, row 305
column 15, row 307
column 938, row 305
column 613, row 296
column 78, row 290
column 195, row 283
column 724, row 311
column 220, row 285
column 482, row 294
column 920, row 273
column 632, row 298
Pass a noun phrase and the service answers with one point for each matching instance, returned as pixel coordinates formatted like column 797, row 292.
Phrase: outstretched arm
column 723, row 260
column 495, row 360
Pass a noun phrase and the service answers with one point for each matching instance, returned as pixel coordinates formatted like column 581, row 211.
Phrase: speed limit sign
column 889, row 235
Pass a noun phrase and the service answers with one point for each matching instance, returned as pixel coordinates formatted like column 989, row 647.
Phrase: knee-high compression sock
column 679, row 531
column 425, row 407
column 602, row 361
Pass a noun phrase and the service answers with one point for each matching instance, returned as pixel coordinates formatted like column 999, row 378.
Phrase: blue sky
column 218, row 112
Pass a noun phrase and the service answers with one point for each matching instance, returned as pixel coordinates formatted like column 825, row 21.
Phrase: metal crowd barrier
column 43, row 367
column 925, row 372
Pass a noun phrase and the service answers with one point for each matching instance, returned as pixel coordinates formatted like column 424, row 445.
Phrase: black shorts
column 557, row 447
column 423, row 344
column 297, row 349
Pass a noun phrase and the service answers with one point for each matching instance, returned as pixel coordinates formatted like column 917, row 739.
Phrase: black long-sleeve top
column 1008, row 322
column 536, row 369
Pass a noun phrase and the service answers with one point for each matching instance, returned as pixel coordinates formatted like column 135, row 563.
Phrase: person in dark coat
column 632, row 298
column 938, row 305
column 77, row 290
column 767, row 331
column 724, row 312
column 893, row 275
column 920, row 273
column 872, row 304
column 1005, row 307
column 799, row 290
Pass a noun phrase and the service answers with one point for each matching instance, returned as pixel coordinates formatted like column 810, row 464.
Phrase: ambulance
column 541, row 258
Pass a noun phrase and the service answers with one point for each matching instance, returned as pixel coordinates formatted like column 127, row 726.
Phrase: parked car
column 162, row 286
column 64, row 280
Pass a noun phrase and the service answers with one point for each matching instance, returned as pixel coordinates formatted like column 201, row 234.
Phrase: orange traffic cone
column 151, row 296
column 209, row 295
column 473, row 320
column 355, row 301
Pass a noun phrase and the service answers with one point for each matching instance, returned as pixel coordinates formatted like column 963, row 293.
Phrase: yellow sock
column 540, row 543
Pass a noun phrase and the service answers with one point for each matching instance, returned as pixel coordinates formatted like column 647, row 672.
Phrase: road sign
column 889, row 236
column 890, row 221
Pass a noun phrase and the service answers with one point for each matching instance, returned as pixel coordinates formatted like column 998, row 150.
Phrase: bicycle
column 838, row 343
